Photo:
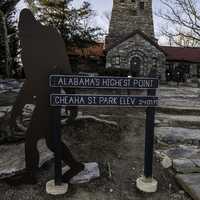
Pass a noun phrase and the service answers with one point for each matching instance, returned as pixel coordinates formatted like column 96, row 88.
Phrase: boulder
column 185, row 166
column 13, row 158
column 190, row 183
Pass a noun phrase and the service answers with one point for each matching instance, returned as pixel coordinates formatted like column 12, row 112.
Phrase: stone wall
column 128, row 16
column 136, row 46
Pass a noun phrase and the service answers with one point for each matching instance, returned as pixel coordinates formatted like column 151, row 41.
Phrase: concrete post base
column 148, row 185
column 53, row 189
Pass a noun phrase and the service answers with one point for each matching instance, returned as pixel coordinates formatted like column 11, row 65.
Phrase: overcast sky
column 106, row 5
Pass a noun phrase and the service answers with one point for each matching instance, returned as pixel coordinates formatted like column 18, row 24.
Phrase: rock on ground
column 90, row 172
column 166, row 162
column 185, row 166
column 175, row 135
column 191, row 184
column 180, row 151
column 13, row 158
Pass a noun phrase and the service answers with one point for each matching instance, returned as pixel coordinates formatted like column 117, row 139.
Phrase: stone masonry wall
column 127, row 16
column 137, row 46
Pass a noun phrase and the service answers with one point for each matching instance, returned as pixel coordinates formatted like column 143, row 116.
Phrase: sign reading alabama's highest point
column 102, row 82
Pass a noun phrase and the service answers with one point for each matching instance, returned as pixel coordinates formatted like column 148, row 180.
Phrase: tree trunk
column 5, row 69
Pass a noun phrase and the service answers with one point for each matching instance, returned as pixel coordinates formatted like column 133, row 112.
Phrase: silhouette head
column 27, row 22
column 42, row 49
column 30, row 32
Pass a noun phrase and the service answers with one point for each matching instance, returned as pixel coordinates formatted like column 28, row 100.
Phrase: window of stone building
column 122, row 1
column 170, row 66
column 113, row 61
column 185, row 67
column 198, row 70
column 155, row 61
column 142, row 5
column 134, row 12
column 116, row 60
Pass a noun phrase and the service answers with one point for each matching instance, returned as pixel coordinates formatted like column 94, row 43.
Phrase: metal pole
column 55, row 116
column 149, row 137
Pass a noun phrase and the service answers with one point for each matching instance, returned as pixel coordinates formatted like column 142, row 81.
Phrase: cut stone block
column 174, row 135
column 5, row 109
column 13, row 158
column 90, row 172
column 185, row 166
column 166, row 162
column 2, row 114
column 191, row 184
column 196, row 162
column 181, row 151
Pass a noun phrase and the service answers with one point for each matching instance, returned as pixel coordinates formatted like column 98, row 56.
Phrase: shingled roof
column 183, row 54
column 149, row 39
column 179, row 54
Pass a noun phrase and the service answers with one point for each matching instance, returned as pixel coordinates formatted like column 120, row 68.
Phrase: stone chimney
column 128, row 16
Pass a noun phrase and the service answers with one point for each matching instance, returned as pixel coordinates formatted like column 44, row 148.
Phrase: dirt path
column 121, row 146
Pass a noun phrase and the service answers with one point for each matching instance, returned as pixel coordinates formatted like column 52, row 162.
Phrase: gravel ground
column 121, row 146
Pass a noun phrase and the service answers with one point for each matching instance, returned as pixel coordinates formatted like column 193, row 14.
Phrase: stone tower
column 127, row 16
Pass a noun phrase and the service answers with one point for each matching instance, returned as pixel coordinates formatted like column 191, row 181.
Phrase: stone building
column 138, row 53
column 184, row 59
column 128, row 16
column 131, row 43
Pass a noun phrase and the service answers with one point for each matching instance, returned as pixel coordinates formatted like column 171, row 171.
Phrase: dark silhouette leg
column 33, row 134
column 31, row 159
column 31, row 152
column 67, row 157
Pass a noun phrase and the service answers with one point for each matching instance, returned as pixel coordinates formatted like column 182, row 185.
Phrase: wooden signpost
column 145, row 183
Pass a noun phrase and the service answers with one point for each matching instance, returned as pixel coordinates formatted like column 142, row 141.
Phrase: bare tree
column 182, row 19
column 106, row 17
column 7, row 8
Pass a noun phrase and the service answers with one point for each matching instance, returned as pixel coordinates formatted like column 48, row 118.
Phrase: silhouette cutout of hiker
column 43, row 51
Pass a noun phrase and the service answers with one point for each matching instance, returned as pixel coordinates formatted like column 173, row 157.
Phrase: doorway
column 135, row 69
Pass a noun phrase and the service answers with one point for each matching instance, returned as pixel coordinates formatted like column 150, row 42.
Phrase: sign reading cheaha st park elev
column 103, row 100
column 72, row 81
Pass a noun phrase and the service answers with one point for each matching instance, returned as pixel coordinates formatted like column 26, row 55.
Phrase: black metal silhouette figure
column 43, row 51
